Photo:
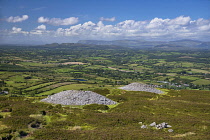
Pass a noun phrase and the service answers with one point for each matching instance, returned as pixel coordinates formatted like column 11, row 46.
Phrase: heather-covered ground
column 187, row 111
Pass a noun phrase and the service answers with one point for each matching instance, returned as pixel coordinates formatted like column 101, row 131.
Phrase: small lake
column 79, row 79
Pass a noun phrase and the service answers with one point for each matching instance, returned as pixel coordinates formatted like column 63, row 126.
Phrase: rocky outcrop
column 158, row 126
column 75, row 97
column 162, row 125
column 141, row 87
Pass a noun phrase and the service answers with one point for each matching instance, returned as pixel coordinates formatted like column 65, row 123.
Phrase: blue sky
column 48, row 21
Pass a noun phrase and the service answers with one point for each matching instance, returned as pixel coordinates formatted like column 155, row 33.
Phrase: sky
column 68, row 21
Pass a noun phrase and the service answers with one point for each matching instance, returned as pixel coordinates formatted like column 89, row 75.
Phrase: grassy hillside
column 186, row 111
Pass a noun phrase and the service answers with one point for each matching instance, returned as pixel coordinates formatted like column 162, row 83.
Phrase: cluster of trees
column 2, row 83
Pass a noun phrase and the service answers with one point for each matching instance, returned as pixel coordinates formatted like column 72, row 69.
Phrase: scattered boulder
column 162, row 125
column 144, row 126
column 140, row 123
column 75, row 97
column 141, row 87
column 158, row 126
column 153, row 124
column 170, row 130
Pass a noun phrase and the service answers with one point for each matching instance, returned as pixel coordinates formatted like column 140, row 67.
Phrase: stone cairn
column 75, row 97
column 141, row 87
column 158, row 126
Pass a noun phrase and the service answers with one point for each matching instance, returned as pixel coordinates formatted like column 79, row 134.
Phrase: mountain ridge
column 150, row 44
column 183, row 44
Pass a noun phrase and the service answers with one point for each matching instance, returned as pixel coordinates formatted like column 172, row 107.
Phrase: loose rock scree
column 75, row 97
column 141, row 87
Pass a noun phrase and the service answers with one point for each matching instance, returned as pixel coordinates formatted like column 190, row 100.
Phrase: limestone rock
column 144, row 126
column 162, row 125
column 140, row 123
column 167, row 126
column 153, row 124
column 170, row 130
column 158, row 126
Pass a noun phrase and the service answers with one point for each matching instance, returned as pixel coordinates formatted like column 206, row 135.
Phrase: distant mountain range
column 82, row 46
column 181, row 44
column 185, row 44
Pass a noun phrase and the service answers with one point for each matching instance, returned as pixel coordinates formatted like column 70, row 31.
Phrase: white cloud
column 41, row 27
column 43, row 20
column 157, row 28
column 58, row 21
column 181, row 20
column 17, row 18
column 107, row 19
column 39, row 30
column 100, row 24
column 202, row 21
column 88, row 25
column 157, row 23
column 16, row 30
column 204, row 27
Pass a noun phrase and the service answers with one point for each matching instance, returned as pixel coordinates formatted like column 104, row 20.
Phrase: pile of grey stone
column 159, row 126
column 141, row 87
column 75, row 97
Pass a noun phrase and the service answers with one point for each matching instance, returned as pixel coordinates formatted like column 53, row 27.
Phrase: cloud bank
column 58, row 21
column 182, row 27
column 157, row 28
column 17, row 18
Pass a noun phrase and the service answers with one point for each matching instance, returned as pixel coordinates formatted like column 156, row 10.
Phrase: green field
column 189, row 77
column 36, row 64
column 200, row 71
column 202, row 82
column 39, row 86
column 64, row 70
